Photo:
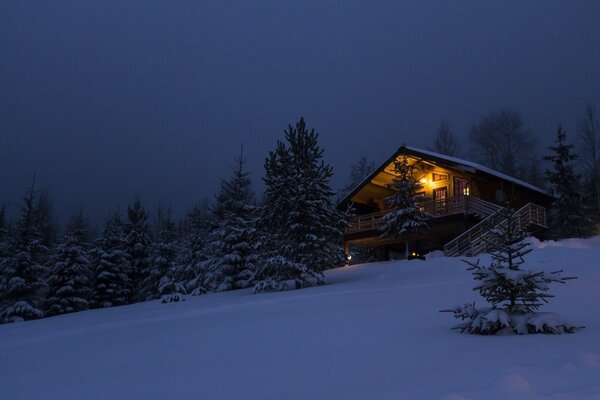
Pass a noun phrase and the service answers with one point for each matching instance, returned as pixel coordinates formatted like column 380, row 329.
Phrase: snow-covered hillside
column 373, row 333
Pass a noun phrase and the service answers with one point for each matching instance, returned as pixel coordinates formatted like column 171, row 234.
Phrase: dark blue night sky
column 106, row 100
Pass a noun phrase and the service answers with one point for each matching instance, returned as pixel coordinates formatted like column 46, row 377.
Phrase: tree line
column 291, row 236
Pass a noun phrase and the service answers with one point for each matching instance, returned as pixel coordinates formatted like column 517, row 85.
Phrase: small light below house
column 348, row 258
column 414, row 253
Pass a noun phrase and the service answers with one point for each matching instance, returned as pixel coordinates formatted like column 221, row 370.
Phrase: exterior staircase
column 479, row 238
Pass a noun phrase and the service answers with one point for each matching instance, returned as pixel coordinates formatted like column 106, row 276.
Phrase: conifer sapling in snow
column 405, row 217
column 515, row 293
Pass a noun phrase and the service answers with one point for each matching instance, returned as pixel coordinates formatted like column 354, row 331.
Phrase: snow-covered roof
column 481, row 168
column 465, row 165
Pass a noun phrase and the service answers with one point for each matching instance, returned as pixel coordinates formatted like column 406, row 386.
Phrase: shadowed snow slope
column 374, row 332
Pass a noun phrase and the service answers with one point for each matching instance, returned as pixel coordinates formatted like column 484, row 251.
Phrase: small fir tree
column 232, row 240
column 515, row 293
column 70, row 271
column 138, row 241
column 300, row 228
column 23, row 267
column 112, row 286
column 405, row 218
column 567, row 216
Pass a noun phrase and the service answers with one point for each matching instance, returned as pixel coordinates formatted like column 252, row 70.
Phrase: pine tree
column 163, row 256
column 112, row 286
column 70, row 272
column 568, row 217
column 232, row 239
column 405, row 217
column 190, row 270
column 137, row 238
column 300, row 228
column 515, row 293
column 23, row 269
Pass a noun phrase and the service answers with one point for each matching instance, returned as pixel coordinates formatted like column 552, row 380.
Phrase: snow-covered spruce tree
column 515, row 293
column 232, row 240
column 567, row 216
column 23, row 268
column 112, row 286
column 299, row 226
column 163, row 256
column 190, row 271
column 405, row 217
column 69, row 283
column 138, row 240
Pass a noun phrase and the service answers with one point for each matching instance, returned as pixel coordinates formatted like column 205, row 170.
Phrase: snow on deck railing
column 434, row 208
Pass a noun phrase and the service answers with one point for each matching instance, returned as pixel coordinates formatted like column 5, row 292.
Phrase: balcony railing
column 433, row 209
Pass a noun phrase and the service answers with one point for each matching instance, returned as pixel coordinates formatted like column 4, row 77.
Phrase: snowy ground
column 373, row 333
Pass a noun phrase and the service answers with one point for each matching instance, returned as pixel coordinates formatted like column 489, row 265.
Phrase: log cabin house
column 463, row 200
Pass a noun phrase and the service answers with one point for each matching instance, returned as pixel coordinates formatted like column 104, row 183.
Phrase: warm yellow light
column 466, row 191
column 423, row 180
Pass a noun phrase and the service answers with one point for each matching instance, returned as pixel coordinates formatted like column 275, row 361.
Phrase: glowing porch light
column 466, row 191
column 423, row 181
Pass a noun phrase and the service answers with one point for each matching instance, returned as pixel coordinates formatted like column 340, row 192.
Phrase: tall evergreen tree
column 567, row 215
column 589, row 140
column 300, row 227
column 190, row 271
column 138, row 240
column 112, row 286
column 23, row 269
column 405, row 218
column 163, row 257
column 232, row 239
column 46, row 220
column 69, row 282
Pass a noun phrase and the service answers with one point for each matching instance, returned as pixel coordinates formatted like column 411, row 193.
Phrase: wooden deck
column 433, row 208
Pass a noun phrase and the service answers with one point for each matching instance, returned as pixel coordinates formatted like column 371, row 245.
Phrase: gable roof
column 452, row 162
